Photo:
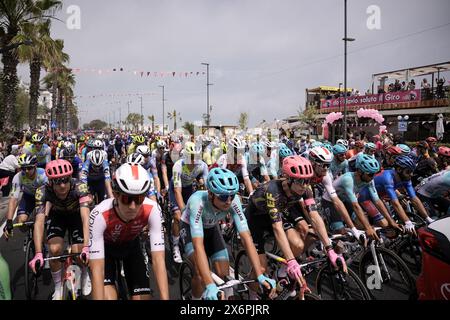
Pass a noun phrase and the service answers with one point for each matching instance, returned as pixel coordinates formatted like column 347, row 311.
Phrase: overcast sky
column 262, row 53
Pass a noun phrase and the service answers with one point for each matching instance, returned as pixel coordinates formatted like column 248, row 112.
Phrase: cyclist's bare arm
column 418, row 205
column 38, row 231
column 164, row 174
column 319, row 226
column 248, row 185
column 108, row 189
column 201, row 260
column 282, row 241
column 12, row 206
column 362, row 218
column 179, row 198
column 160, row 272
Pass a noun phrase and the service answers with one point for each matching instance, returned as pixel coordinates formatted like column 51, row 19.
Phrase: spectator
column 397, row 85
column 367, row 92
column 411, row 85
column 404, row 86
column 426, row 88
column 381, row 90
column 391, row 87
column 357, row 93
column 440, row 88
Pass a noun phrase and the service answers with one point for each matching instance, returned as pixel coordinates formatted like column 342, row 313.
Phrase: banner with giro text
column 371, row 99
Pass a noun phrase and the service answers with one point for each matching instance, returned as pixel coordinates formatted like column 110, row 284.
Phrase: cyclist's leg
column 136, row 276
column 25, row 209
column 186, row 241
column 110, row 275
column 215, row 244
column 55, row 240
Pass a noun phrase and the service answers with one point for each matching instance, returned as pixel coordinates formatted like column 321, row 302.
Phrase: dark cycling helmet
column 422, row 144
column 367, row 164
column 68, row 153
column 58, row 169
column 222, row 182
column 405, row 162
column 339, row 149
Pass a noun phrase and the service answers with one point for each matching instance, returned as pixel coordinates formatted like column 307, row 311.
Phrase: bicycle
column 285, row 287
column 227, row 286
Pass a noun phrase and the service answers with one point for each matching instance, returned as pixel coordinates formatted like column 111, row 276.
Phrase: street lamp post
column 163, row 107
column 208, row 119
column 345, row 68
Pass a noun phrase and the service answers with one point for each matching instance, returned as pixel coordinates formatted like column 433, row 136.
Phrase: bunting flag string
column 141, row 73
column 113, row 95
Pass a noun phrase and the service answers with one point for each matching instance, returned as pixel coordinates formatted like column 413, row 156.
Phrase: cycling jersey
column 327, row 182
column 347, row 189
column 207, row 155
column 107, row 228
column 28, row 186
column 337, row 168
column 131, row 149
column 43, row 156
column 93, row 173
column 183, row 176
column 200, row 214
column 256, row 169
column 386, row 183
column 239, row 168
column 77, row 195
column 438, row 185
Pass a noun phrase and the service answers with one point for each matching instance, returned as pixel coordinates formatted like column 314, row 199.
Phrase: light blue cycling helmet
column 339, row 149
column 367, row 164
column 316, row 144
column 222, row 182
column 327, row 146
column 370, row 146
column 257, row 148
column 405, row 162
column 405, row 149
column 285, row 152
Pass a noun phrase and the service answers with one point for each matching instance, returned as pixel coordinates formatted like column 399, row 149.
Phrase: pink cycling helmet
column 297, row 167
column 58, row 169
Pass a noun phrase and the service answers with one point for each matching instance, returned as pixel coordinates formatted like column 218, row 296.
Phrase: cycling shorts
column 59, row 222
column 26, row 205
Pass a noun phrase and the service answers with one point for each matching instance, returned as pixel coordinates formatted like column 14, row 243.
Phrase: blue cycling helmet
column 339, row 149
column 370, row 146
column 257, row 148
column 222, row 182
column 367, row 164
column 405, row 162
column 328, row 146
column 285, row 152
column 405, row 149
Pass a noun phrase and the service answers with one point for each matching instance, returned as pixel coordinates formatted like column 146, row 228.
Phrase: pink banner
column 390, row 97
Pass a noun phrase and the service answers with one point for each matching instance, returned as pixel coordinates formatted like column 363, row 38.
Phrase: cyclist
column 443, row 159
column 68, row 203
column 434, row 191
column 432, row 148
column 185, row 172
column 321, row 158
column 339, row 165
column 114, row 229
column 95, row 173
column 278, row 205
column 27, row 181
column 39, row 149
column 256, row 165
column 390, row 180
column 202, row 238
column 356, row 190
column 137, row 140
column 390, row 153
column 70, row 155
column 426, row 165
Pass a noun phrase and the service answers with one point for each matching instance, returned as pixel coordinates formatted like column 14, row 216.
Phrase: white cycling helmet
column 343, row 142
column 136, row 158
column 143, row 149
column 67, row 144
column 191, row 149
column 96, row 157
column 131, row 179
column 161, row 144
column 320, row 155
column 237, row 143
column 97, row 144
column 271, row 144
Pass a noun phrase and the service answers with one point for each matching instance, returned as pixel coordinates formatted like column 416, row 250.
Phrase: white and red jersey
column 105, row 226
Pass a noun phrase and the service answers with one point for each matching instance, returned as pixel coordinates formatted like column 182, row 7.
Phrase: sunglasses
column 128, row 198
column 28, row 168
column 59, row 181
column 370, row 175
column 225, row 197
column 300, row 182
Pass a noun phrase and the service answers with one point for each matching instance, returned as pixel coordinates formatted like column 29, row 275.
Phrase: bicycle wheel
column 336, row 285
column 31, row 279
column 186, row 274
column 397, row 281
column 235, row 244
column 242, row 270
column 68, row 291
column 307, row 296
column 410, row 252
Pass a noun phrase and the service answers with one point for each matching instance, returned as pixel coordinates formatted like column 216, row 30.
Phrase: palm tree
column 45, row 51
column 13, row 14
column 173, row 115
column 152, row 119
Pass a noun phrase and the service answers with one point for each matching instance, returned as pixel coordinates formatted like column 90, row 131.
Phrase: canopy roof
column 414, row 72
